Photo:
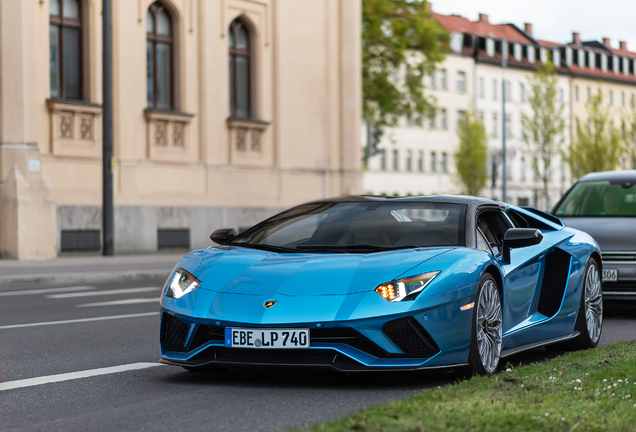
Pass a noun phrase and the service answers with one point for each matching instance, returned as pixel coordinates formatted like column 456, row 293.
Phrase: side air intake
column 410, row 337
column 174, row 333
column 555, row 278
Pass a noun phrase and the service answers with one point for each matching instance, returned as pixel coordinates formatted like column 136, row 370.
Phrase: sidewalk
column 87, row 269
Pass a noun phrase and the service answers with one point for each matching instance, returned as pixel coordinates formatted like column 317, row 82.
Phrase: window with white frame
column 396, row 160
column 433, row 162
column 508, row 89
column 461, row 81
column 482, row 88
column 444, row 162
column 495, row 126
column 409, row 160
column 420, row 161
column 522, row 92
column 461, row 115
column 508, row 126
column 494, row 89
column 431, row 81
column 442, row 79
column 443, row 122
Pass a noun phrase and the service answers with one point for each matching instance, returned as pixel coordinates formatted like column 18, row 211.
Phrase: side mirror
column 518, row 238
column 223, row 235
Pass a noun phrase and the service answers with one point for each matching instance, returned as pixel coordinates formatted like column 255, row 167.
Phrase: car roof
column 445, row 199
column 623, row 175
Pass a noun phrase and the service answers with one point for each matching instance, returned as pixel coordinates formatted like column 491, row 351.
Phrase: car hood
column 611, row 234
column 256, row 272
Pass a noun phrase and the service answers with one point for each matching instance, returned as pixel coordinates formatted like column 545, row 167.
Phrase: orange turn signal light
column 387, row 291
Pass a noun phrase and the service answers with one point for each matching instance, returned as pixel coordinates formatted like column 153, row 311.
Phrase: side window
column 494, row 226
column 481, row 242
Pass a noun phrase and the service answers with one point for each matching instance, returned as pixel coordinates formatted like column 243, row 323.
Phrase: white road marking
column 10, row 385
column 45, row 291
column 101, row 293
column 120, row 302
column 114, row 317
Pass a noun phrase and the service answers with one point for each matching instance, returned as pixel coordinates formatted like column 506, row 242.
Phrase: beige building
column 225, row 111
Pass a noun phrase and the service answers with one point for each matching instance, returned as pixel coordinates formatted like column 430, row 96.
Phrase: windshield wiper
column 269, row 248
column 320, row 248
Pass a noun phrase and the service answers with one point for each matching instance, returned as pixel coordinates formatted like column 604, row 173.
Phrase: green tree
column 471, row 158
column 543, row 127
column 401, row 44
column 629, row 133
column 598, row 146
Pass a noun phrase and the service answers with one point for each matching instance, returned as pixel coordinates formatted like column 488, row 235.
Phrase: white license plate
column 266, row 338
column 610, row 275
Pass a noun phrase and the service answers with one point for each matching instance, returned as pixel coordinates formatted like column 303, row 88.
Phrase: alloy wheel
column 489, row 327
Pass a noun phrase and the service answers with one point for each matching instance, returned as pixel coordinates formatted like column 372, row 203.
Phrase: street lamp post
column 504, row 63
column 108, row 222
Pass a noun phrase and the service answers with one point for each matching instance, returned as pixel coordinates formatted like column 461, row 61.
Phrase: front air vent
column 619, row 257
column 410, row 337
column 174, row 333
column 555, row 278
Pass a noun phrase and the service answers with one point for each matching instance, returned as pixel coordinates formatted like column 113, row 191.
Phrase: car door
column 520, row 275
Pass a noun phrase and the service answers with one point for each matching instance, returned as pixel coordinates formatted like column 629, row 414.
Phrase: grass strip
column 591, row 390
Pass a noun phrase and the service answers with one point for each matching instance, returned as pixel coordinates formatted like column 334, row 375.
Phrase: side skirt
column 515, row 350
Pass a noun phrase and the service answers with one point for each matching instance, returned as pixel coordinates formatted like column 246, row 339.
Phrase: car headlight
column 406, row 288
column 182, row 283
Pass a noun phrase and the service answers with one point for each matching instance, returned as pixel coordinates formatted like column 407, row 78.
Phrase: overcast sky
column 555, row 20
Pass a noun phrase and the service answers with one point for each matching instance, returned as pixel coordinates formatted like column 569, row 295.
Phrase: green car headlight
column 405, row 288
column 182, row 283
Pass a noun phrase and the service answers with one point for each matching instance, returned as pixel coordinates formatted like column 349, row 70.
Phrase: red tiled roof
column 549, row 44
column 457, row 24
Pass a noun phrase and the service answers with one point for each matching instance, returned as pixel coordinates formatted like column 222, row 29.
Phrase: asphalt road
column 136, row 393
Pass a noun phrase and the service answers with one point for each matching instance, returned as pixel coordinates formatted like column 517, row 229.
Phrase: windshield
column 599, row 198
column 360, row 226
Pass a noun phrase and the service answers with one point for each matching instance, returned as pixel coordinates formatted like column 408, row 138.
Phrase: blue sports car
column 371, row 283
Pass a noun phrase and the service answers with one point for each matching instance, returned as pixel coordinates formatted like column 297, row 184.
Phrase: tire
column 589, row 320
column 486, row 330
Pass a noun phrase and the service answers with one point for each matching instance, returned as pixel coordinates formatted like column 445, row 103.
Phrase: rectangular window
column 432, row 82
column 522, row 93
column 444, row 162
column 442, row 119
column 508, row 127
column 433, row 162
column 632, row 102
column 54, row 59
column 611, row 97
column 523, row 169
column 576, row 93
column 420, row 161
column 494, row 89
column 461, row 115
column 495, row 126
column 432, row 122
column 409, row 160
column 72, row 67
column 383, row 160
column 442, row 79
column 561, row 97
column 482, row 88
column 508, row 90
column 461, row 82
column 578, row 125
column 396, row 160
column 623, row 98
column 589, row 94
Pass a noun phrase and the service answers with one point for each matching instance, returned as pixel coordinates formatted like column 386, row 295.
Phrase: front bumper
column 386, row 343
column 625, row 287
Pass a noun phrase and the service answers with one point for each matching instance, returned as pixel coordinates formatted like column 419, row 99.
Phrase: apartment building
column 477, row 48
column 225, row 112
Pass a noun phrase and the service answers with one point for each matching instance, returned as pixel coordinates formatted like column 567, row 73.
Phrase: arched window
column 240, row 92
column 159, row 56
column 65, row 37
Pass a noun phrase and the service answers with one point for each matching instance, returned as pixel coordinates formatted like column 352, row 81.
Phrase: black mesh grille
column 620, row 286
column 275, row 356
column 347, row 336
column 174, row 334
column 555, row 277
column 410, row 337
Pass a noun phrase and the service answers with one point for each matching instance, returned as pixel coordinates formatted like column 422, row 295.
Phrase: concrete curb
column 82, row 278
